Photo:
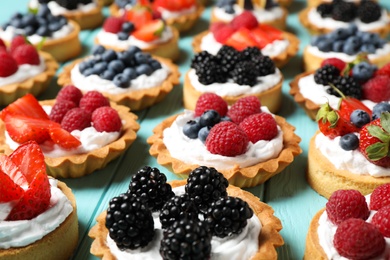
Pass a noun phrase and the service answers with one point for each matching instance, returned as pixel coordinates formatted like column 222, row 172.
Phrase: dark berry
column 109, row 55
column 343, row 11
column 203, row 133
column 121, row 80
column 251, row 53
column 363, row 71
column 131, row 73
column 369, row 11
column 325, row 9
column 209, row 118
column 349, row 142
column 244, row 73
column 116, row 65
column 379, row 108
column 98, row 49
column 201, row 58
column 227, row 57
column 191, row 129
column 144, row 69
column 347, row 85
column 360, row 117
column 264, row 65
column 326, row 74
column 211, row 72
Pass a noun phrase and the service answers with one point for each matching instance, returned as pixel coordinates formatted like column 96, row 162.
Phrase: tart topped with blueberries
column 178, row 208
column 132, row 77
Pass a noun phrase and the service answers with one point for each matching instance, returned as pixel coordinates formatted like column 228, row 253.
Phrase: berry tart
column 246, row 142
column 53, row 34
column 38, row 217
column 233, row 74
column 350, row 149
column 244, row 31
column 138, row 27
column 23, row 70
column 346, row 44
column 77, row 133
column 366, row 15
column 266, row 12
column 86, row 13
column 132, row 78
column 351, row 226
column 318, row 2
column 254, row 235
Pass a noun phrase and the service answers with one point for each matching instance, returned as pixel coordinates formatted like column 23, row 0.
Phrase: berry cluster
column 67, row 4
column 355, row 238
column 227, row 5
column 242, row 67
column 119, row 26
column 123, row 3
column 119, row 67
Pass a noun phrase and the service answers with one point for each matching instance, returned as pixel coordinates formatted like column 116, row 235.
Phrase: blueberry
column 17, row 23
column 133, row 49
column 325, row 45
column 379, row 108
column 338, row 46
column 53, row 27
column 191, row 129
column 368, row 37
column 29, row 30
column 352, row 29
column 109, row 55
column 144, row 69
column 359, row 117
column 108, row 75
column 62, row 20
column 352, row 45
column 209, row 118
column 142, row 57
column 100, row 67
column 155, row 65
column 123, row 36
column 116, row 65
column 43, row 31
column 315, row 40
column 226, row 118
column 87, row 72
column 98, row 49
column 127, row 27
column 131, row 73
column 349, row 142
column 363, row 71
column 127, row 58
column 121, row 80
column 229, row 9
column 203, row 133
column 16, row 16
column 29, row 19
column 43, row 10
column 341, row 34
column 369, row 48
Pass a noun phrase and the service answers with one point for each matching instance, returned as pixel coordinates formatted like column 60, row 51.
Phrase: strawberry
column 113, row 24
column 348, row 104
column 241, row 39
column 244, row 20
column 8, row 65
column 261, row 126
column 261, row 38
column 139, row 15
column 2, row 44
column 223, row 33
column 385, row 70
column 16, row 42
column 93, row 100
column 375, row 139
column 381, row 220
column 26, row 54
column 8, row 167
column 27, row 105
column 380, row 197
column 11, row 180
column 62, row 137
column 340, row 64
column 209, row 101
column 243, row 108
column 150, row 31
column 70, row 93
column 176, row 5
column 272, row 32
column 76, row 119
column 106, row 119
column 377, row 89
column 215, row 27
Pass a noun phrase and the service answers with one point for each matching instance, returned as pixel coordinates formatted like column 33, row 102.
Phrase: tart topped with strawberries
column 78, row 133
column 245, row 142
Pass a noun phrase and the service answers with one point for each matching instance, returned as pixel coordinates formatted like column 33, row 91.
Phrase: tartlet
column 318, row 2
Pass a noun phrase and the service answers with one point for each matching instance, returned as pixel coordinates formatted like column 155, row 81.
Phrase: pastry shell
column 87, row 20
column 241, row 177
column 78, row 165
column 138, row 99
column 34, row 85
column 318, row 2
column 269, row 237
column 313, row 248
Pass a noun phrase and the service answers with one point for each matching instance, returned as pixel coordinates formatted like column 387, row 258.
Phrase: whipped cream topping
column 329, row 23
column 21, row 233
column 242, row 246
column 262, row 15
column 167, row 14
column 25, row 71
column 210, row 44
column 193, row 151
column 56, row 9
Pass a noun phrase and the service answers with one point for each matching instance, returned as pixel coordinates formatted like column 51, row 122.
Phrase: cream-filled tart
column 257, row 240
column 318, row 2
column 138, row 81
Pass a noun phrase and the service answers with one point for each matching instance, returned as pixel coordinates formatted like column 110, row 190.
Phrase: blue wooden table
column 294, row 202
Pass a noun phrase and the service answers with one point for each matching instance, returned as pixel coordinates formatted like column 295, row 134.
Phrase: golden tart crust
column 35, row 85
column 87, row 20
column 241, row 177
column 313, row 249
column 78, row 165
column 280, row 60
column 284, row 3
column 269, row 237
column 138, row 99
column 58, row 244
column 324, row 178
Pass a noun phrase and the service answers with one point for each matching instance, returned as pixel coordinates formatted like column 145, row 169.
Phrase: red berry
column 70, row 93
column 345, row 204
column 92, row 100
column 16, row 42
column 227, row 139
column 215, row 27
column 106, row 119
column 113, row 24
column 62, row 137
column 380, row 197
column 11, row 180
column 26, row 54
column 2, row 44
column 59, row 110
column 27, row 105
column 357, row 239
column 223, row 33
column 243, row 108
column 208, row 101
column 150, row 31
column 335, row 62
column 246, row 19
column 377, row 89
column 76, row 119
column 381, row 220
column 385, row 70
column 8, row 65
column 261, row 126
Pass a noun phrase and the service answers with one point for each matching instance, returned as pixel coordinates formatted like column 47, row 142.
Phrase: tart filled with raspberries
column 234, row 74
column 245, row 31
column 132, row 77
column 23, row 69
column 359, row 79
column 167, row 213
column 245, row 142
column 368, row 16
column 140, row 28
column 351, row 226
column 78, row 133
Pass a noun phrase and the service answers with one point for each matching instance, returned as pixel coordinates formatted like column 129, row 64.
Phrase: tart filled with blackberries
column 153, row 215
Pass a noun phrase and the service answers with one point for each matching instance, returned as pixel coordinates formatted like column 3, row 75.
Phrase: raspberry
column 380, row 197
column 227, row 139
column 223, row 33
column 260, row 126
column 208, row 101
column 26, row 54
column 215, row 27
column 243, row 108
column 59, row 110
column 106, row 119
column 357, row 239
column 245, row 19
column 70, row 93
column 385, row 70
column 345, row 204
column 377, row 89
column 335, row 62
column 113, row 24
column 76, row 119
column 381, row 220
column 92, row 100
column 16, row 42
column 8, row 65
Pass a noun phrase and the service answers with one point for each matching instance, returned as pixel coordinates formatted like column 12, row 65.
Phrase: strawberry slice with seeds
column 139, row 15
column 150, row 31
column 62, row 137
column 8, row 167
column 272, row 32
column 9, row 190
column 261, row 37
column 241, row 39
column 27, row 105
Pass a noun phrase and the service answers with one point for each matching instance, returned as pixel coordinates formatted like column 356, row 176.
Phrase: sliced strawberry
column 139, row 15
column 241, row 39
column 223, row 33
column 8, row 166
column 272, row 32
column 176, row 5
column 348, row 104
column 261, row 37
column 27, row 105
column 9, row 190
column 150, row 31
column 63, row 138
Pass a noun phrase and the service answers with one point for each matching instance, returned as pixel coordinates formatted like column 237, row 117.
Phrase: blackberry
column 227, row 57
column 264, row 66
column 176, row 208
column 68, row 4
column 228, row 216
column 326, row 74
column 244, row 73
column 369, row 11
column 325, row 9
column 347, row 85
column 205, row 185
column 129, row 222
column 251, row 53
column 200, row 59
column 149, row 185
column 211, row 72
column 186, row 239
column 344, row 11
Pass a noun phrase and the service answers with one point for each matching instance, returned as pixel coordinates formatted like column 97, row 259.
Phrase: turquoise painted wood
column 294, row 202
